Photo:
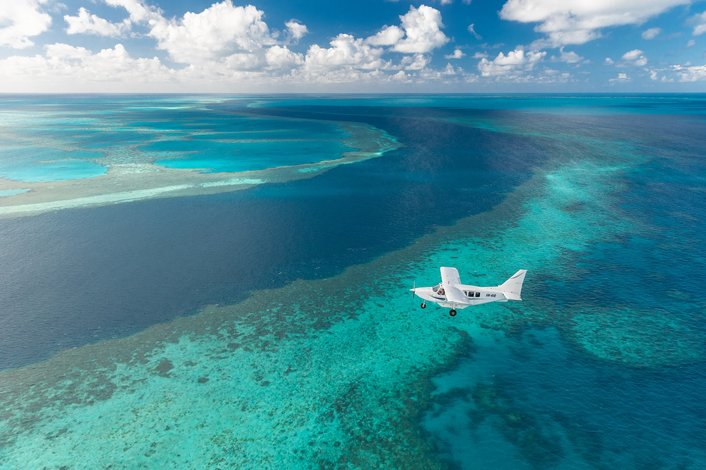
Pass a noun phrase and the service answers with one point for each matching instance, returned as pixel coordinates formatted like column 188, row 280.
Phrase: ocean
column 223, row 281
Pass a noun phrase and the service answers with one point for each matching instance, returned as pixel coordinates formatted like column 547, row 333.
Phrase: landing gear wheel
column 424, row 305
column 452, row 312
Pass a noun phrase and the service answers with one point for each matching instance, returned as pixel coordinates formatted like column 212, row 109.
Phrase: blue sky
column 352, row 46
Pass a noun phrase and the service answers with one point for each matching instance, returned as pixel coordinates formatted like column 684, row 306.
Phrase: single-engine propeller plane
column 452, row 294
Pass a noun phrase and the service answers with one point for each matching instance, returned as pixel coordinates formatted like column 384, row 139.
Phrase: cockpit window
column 438, row 290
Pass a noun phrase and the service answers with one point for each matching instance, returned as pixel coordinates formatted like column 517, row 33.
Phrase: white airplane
column 454, row 295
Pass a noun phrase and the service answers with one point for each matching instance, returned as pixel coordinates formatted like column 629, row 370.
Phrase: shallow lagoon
column 600, row 366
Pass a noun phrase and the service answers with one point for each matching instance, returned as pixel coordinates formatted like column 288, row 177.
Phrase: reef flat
column 126, row 182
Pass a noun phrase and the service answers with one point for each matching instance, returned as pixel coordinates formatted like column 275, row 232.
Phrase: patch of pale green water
column 12, row 192
column 318, row 373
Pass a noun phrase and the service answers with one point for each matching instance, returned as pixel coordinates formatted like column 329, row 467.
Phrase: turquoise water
column 274, row 327
column 47, row 164
column 82, row 137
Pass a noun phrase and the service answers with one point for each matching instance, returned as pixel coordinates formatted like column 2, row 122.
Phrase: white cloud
column 693, row 73
column 472, row 29
column 139, row 11
column 415, row 62
column 226, row 46
column 65, row 67
column 513, row 66
column 346, row 51
column 422, row 27
column 570, row 57
column 20, row 21
column 231, row 48
column 457, row 54
column 651, row 33
column 296, row 29
column 280, row 57
column 238, row 61
column 88, row 23
column 635, row 57
column 388, row 36
column 699, row 23
column 609, row 61
column 621, row 78
column 691, row 43
column 577, row 22
column 216, row 32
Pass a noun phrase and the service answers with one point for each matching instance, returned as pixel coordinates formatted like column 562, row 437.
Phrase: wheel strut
column 424, row 305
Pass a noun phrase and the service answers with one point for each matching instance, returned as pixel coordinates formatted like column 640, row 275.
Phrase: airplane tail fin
column 512, row 288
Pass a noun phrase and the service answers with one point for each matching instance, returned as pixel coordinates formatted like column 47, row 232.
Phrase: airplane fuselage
column 450, row 293
column 474, row 295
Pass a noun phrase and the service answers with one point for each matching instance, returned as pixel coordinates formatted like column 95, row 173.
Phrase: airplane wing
column 450, row 279
column 454, row 294
column 449, row 276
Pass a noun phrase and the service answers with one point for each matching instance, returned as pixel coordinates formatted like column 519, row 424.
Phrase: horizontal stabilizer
column 512, row 288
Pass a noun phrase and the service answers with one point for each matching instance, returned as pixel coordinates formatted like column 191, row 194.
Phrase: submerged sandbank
column 125, row 182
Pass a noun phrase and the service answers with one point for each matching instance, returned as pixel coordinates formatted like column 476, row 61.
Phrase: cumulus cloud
column 693, row 73
column 20, row 21
column 62, row 64
column 216, row 32
column 570, row 57
column 651, row 33
column 346, row 51
column 225, row 47
column 622, row 77
column 572, row 22
column 88, row 23
column 388, row 36
column 422, row 27
column 635, row 57
column 513, row 66
column 138, row 10
column 349, row 58
column 280, row 57
column 419, row 32
column 699, row 23
column 415, row 62
column 457, row 54
column 296, row 30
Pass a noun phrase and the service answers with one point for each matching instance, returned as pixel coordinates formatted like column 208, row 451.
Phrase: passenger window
column 477, row 294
